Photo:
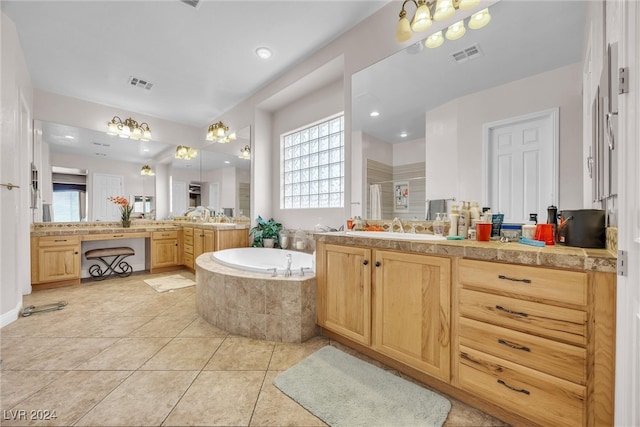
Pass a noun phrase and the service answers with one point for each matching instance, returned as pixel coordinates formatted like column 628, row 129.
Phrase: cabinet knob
column 378, row 264
column 75, row 253
column 365, row 262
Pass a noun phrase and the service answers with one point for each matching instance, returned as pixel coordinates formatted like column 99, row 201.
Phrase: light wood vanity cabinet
column 344, row 291
column 197, row 241
column 412, row 310
column 165, row 250
column 55, row 259
column 527, row 340
column 395, row 303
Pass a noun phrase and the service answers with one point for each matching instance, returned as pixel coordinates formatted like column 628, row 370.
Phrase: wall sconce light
column 129, row 129
column 439, row 10
column 245, row 153
column 146, row 171
column 186, row 153
column 219, row 132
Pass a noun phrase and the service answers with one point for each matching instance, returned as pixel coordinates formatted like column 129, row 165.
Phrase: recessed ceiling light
column 403, row 134
column 69, row 137
column 227, row 162
column 146, row 150
column 374, row 114
column 264, row 52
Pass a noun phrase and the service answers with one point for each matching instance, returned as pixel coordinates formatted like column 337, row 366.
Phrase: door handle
column 10, row 186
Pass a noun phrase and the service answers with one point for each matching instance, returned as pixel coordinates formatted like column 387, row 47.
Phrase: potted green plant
column 265, row 233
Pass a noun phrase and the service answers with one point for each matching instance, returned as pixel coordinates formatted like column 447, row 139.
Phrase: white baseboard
column 11, row 315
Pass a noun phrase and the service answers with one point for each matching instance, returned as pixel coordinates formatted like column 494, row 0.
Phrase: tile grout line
column 264, row 376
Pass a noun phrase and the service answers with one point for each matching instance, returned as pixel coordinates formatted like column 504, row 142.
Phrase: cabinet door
column 198, row 242
column 208, row 241
column 226, row 239
column 412, row 300
column 58, row 263
column 165, row 252
column 344, row 291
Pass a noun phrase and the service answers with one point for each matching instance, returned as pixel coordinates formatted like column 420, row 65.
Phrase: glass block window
column 312, row 166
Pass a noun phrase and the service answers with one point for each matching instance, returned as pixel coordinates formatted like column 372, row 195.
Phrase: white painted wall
column 310, row 108
column 405, row 153
column 16, row 95
column 454, row 133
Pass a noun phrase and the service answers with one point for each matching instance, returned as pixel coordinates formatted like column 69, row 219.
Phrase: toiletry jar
column 511, row 231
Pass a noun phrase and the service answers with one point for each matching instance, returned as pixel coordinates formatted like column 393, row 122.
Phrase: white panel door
column 179, row 196
column 519, row 151
column 105, row 186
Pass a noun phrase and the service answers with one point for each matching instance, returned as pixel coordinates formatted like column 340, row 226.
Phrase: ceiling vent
column 101, row 144
column 467, row 53
column 134, row 81
column 192, row 3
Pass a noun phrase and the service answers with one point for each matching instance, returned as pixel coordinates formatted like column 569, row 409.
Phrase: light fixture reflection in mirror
column 147, row 171
column 245, row 153
column 186, row 153
column 219, row 132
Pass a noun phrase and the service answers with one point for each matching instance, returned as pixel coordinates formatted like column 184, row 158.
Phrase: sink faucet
column 396, row 221
column 287, row 272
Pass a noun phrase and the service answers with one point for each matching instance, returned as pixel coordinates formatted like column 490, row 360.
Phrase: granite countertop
column 137, row 226
column 560, row 256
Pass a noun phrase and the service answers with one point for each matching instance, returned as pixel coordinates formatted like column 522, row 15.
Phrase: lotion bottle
column 453, row 228
column 438, row 225
column 463, row 221
column 474, row 212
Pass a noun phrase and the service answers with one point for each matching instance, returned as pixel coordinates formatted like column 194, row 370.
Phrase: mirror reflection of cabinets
column 73, row 165
column 441, row 98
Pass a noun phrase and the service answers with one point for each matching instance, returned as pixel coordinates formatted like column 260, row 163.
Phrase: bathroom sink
column 394, row 235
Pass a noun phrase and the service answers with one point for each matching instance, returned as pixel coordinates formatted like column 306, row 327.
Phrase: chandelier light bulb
column 479, row 19
column 456, row 31
column 444, row 10
column 403, row 30
column 468, row 4
column 422, row 19
column 434, row 40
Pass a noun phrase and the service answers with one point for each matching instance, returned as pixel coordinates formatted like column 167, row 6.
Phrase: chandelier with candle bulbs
column 219, row 132
column 245, row 153
column 129, row 129
column 439, row 10
column 186, row 153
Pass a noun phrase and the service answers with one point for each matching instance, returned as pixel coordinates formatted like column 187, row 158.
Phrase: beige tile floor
column 121, row 354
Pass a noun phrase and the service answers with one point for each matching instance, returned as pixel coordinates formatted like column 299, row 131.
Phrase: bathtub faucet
column 287, row 272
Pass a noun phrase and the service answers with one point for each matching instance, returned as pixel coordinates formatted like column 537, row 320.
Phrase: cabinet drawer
column 188, row 249
column 188, row 260
column 188, row 240
column 533, row 282
column 527, row 316
column 164, row 235
column 188, row 231
column 46, row 241
column 555, row 358
column 542, row 398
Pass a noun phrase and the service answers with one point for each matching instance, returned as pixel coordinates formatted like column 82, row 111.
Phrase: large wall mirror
column 420, row 116
column 77, row 169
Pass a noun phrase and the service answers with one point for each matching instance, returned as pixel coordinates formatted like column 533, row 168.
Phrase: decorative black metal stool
column 117, row 266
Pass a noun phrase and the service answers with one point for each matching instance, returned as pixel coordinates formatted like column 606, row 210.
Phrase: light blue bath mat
column 343, row 390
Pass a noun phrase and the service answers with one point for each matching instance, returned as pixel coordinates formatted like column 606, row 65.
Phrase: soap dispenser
column 438, row 225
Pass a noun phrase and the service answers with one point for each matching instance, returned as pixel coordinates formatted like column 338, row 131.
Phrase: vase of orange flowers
column 125, row 210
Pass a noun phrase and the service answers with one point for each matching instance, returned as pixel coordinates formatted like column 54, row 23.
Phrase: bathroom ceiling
column 200, row 61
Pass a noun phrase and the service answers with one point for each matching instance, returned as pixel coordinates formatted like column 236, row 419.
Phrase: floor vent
column 467, row 53
column 192, row 3
column 134, row 81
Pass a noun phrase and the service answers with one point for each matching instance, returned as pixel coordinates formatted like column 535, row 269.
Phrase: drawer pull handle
column 519, row 390
column 503, row 277
column 118, row 235
column 516, row 347
column 60, row 240
column 518, row 313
